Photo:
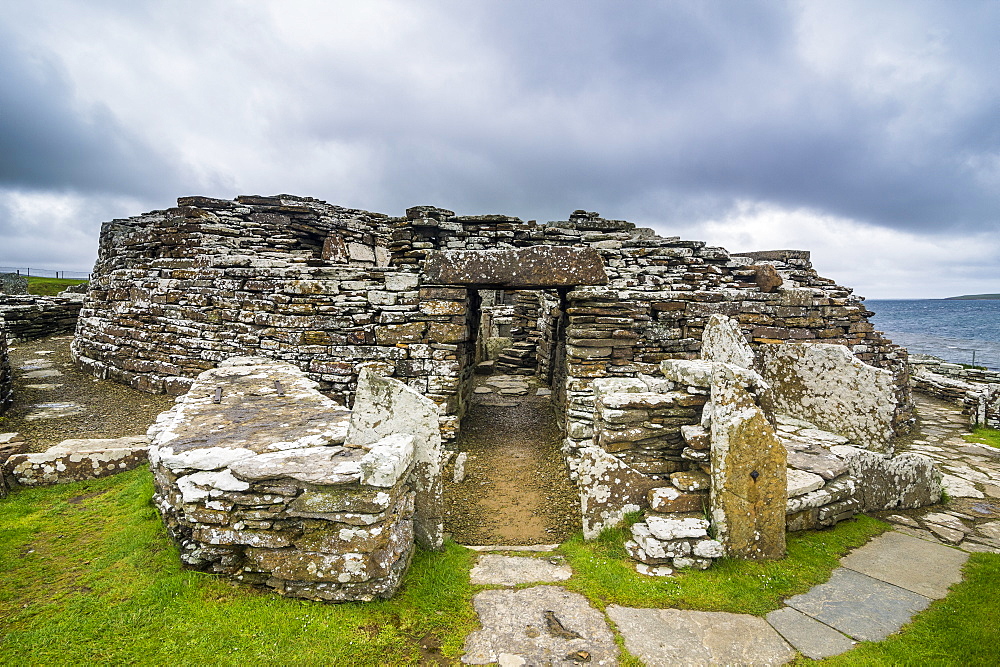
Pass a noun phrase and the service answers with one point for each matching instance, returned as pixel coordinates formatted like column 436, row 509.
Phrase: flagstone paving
column 878, row 588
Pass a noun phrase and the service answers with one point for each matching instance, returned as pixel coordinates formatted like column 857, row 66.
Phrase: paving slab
column 492, row 569
column 809, row 637
column 541, row 625
column 661, row 637
column 923, row 567
column 860, row 606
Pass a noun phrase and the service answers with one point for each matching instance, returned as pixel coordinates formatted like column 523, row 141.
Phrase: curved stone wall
column 334, row 290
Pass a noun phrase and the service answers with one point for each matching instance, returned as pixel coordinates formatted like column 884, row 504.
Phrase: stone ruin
column 13, row 283
column 734, row 393
column 976, row 390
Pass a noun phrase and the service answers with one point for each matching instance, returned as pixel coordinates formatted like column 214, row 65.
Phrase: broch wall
column 329, row 289
column 680, row 372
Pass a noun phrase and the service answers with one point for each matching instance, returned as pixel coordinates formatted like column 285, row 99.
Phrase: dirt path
column 54, row 400
column 516, row 489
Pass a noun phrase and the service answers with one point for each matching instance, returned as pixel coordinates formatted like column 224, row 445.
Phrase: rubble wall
column 257, row 478
column 975, row 390
column 6, row 376
column 27, row 317
column 332, row 290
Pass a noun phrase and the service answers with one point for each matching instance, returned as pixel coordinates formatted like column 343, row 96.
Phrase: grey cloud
column 46, row 142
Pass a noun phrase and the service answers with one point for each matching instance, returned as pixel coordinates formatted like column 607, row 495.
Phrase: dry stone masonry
column 975, row 390
column 6, row 375
column 260, row 477
column 27, row 317
column 685, row 377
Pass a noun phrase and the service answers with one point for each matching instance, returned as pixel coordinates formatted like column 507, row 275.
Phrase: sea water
column 954, row 330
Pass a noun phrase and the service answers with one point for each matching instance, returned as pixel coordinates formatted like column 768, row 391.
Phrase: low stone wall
column 30, row 317
column 77, row 460
column 6, row 375
column 711, row 439
column 976, row 390
column 260, row 477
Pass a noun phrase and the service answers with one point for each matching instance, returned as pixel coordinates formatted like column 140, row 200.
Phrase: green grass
column 50, row 286
column 88, row 575
column 98, row 581
column 605, row 575
column 985, row 436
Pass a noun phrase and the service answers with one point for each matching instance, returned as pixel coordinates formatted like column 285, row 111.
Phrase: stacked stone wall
column 6, row 376
column 31, row 317
column 332, row 290
column 976, row 390
column 284, row 494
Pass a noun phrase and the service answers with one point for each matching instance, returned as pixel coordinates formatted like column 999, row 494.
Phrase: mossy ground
column 87, row 575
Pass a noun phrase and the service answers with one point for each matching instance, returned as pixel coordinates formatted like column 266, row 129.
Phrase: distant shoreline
column 974, row 297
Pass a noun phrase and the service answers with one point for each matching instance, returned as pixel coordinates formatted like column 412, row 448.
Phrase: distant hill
column 973, row 297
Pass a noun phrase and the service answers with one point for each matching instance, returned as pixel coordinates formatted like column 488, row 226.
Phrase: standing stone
column 748, row 473
column 830, row 387
column 723, row 341
column 383, row 407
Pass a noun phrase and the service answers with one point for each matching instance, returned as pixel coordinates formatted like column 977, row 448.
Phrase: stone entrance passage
column 514, row 488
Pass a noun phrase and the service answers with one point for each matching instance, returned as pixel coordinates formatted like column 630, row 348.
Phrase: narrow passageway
column 516, row 489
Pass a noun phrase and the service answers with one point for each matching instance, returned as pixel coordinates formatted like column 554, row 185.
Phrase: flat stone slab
column 53, row 411
column 860, row 606
column 541, row 625
column 680, row 637
column 46, row 373
column 923, row 567
column 511, row 547
column 492, row 569
column 809, row 637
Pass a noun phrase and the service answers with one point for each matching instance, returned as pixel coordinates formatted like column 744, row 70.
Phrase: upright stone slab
column 749, row 485
column 723, row 341
column 830, row 387
column 384, row 406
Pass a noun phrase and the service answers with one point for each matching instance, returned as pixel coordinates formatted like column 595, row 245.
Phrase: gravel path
column 54, row 400
column 516, row 490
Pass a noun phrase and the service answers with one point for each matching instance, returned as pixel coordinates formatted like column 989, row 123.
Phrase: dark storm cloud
column 706, row 102
column 48, row 142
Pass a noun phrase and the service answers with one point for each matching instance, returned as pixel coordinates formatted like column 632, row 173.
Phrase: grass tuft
column 985, row 436
column 605, row 575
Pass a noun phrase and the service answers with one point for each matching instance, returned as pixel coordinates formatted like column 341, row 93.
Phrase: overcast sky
column 867, row 132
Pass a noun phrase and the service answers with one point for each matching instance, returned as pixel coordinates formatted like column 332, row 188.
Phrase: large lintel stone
column 526, row 268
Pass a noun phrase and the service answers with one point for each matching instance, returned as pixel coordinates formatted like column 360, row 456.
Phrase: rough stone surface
column 541, row 625
column 723, row 341
column 903, row 481
column 749, row 483
column 385, row 407
column 525, row 268
column 609, row 489
column 827, row 385
column 78, row 459
column 670, row 637
column 917, row 565
column 261, row 487
column 809, row 637
column 6, row 376
column 496, row 570
column 860, row 606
